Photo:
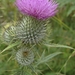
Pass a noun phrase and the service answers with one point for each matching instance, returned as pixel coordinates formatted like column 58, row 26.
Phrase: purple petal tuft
column 41, row 9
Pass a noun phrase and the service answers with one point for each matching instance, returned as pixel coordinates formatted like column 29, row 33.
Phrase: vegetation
column 57, row 53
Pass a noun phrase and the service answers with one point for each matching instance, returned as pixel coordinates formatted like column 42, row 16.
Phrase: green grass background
column 62, row 32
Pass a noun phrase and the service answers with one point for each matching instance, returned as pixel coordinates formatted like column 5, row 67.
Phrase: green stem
column 62, row 24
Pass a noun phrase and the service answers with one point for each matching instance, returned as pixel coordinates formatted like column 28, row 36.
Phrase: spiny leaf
column 42, row 56
column 10, row 46
column 47, row 58
column 58, row 45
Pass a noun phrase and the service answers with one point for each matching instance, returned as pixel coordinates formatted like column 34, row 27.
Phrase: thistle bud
column 31, row 30
column 24, row 56
column 8, row 34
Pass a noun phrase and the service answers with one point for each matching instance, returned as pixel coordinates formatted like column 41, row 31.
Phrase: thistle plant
column 32, row 28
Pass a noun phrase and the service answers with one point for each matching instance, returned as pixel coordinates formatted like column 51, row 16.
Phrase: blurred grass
column 63, row 32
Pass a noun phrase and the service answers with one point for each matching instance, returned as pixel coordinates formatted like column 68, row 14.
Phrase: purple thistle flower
column 41, row 9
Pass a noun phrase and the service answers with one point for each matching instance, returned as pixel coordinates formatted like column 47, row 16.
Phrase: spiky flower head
column 31, row 30
column 41, row 9
column 24, row 56
column 28, row 31
column 8, row 34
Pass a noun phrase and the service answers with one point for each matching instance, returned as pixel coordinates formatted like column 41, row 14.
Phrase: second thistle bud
column 24, row 56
